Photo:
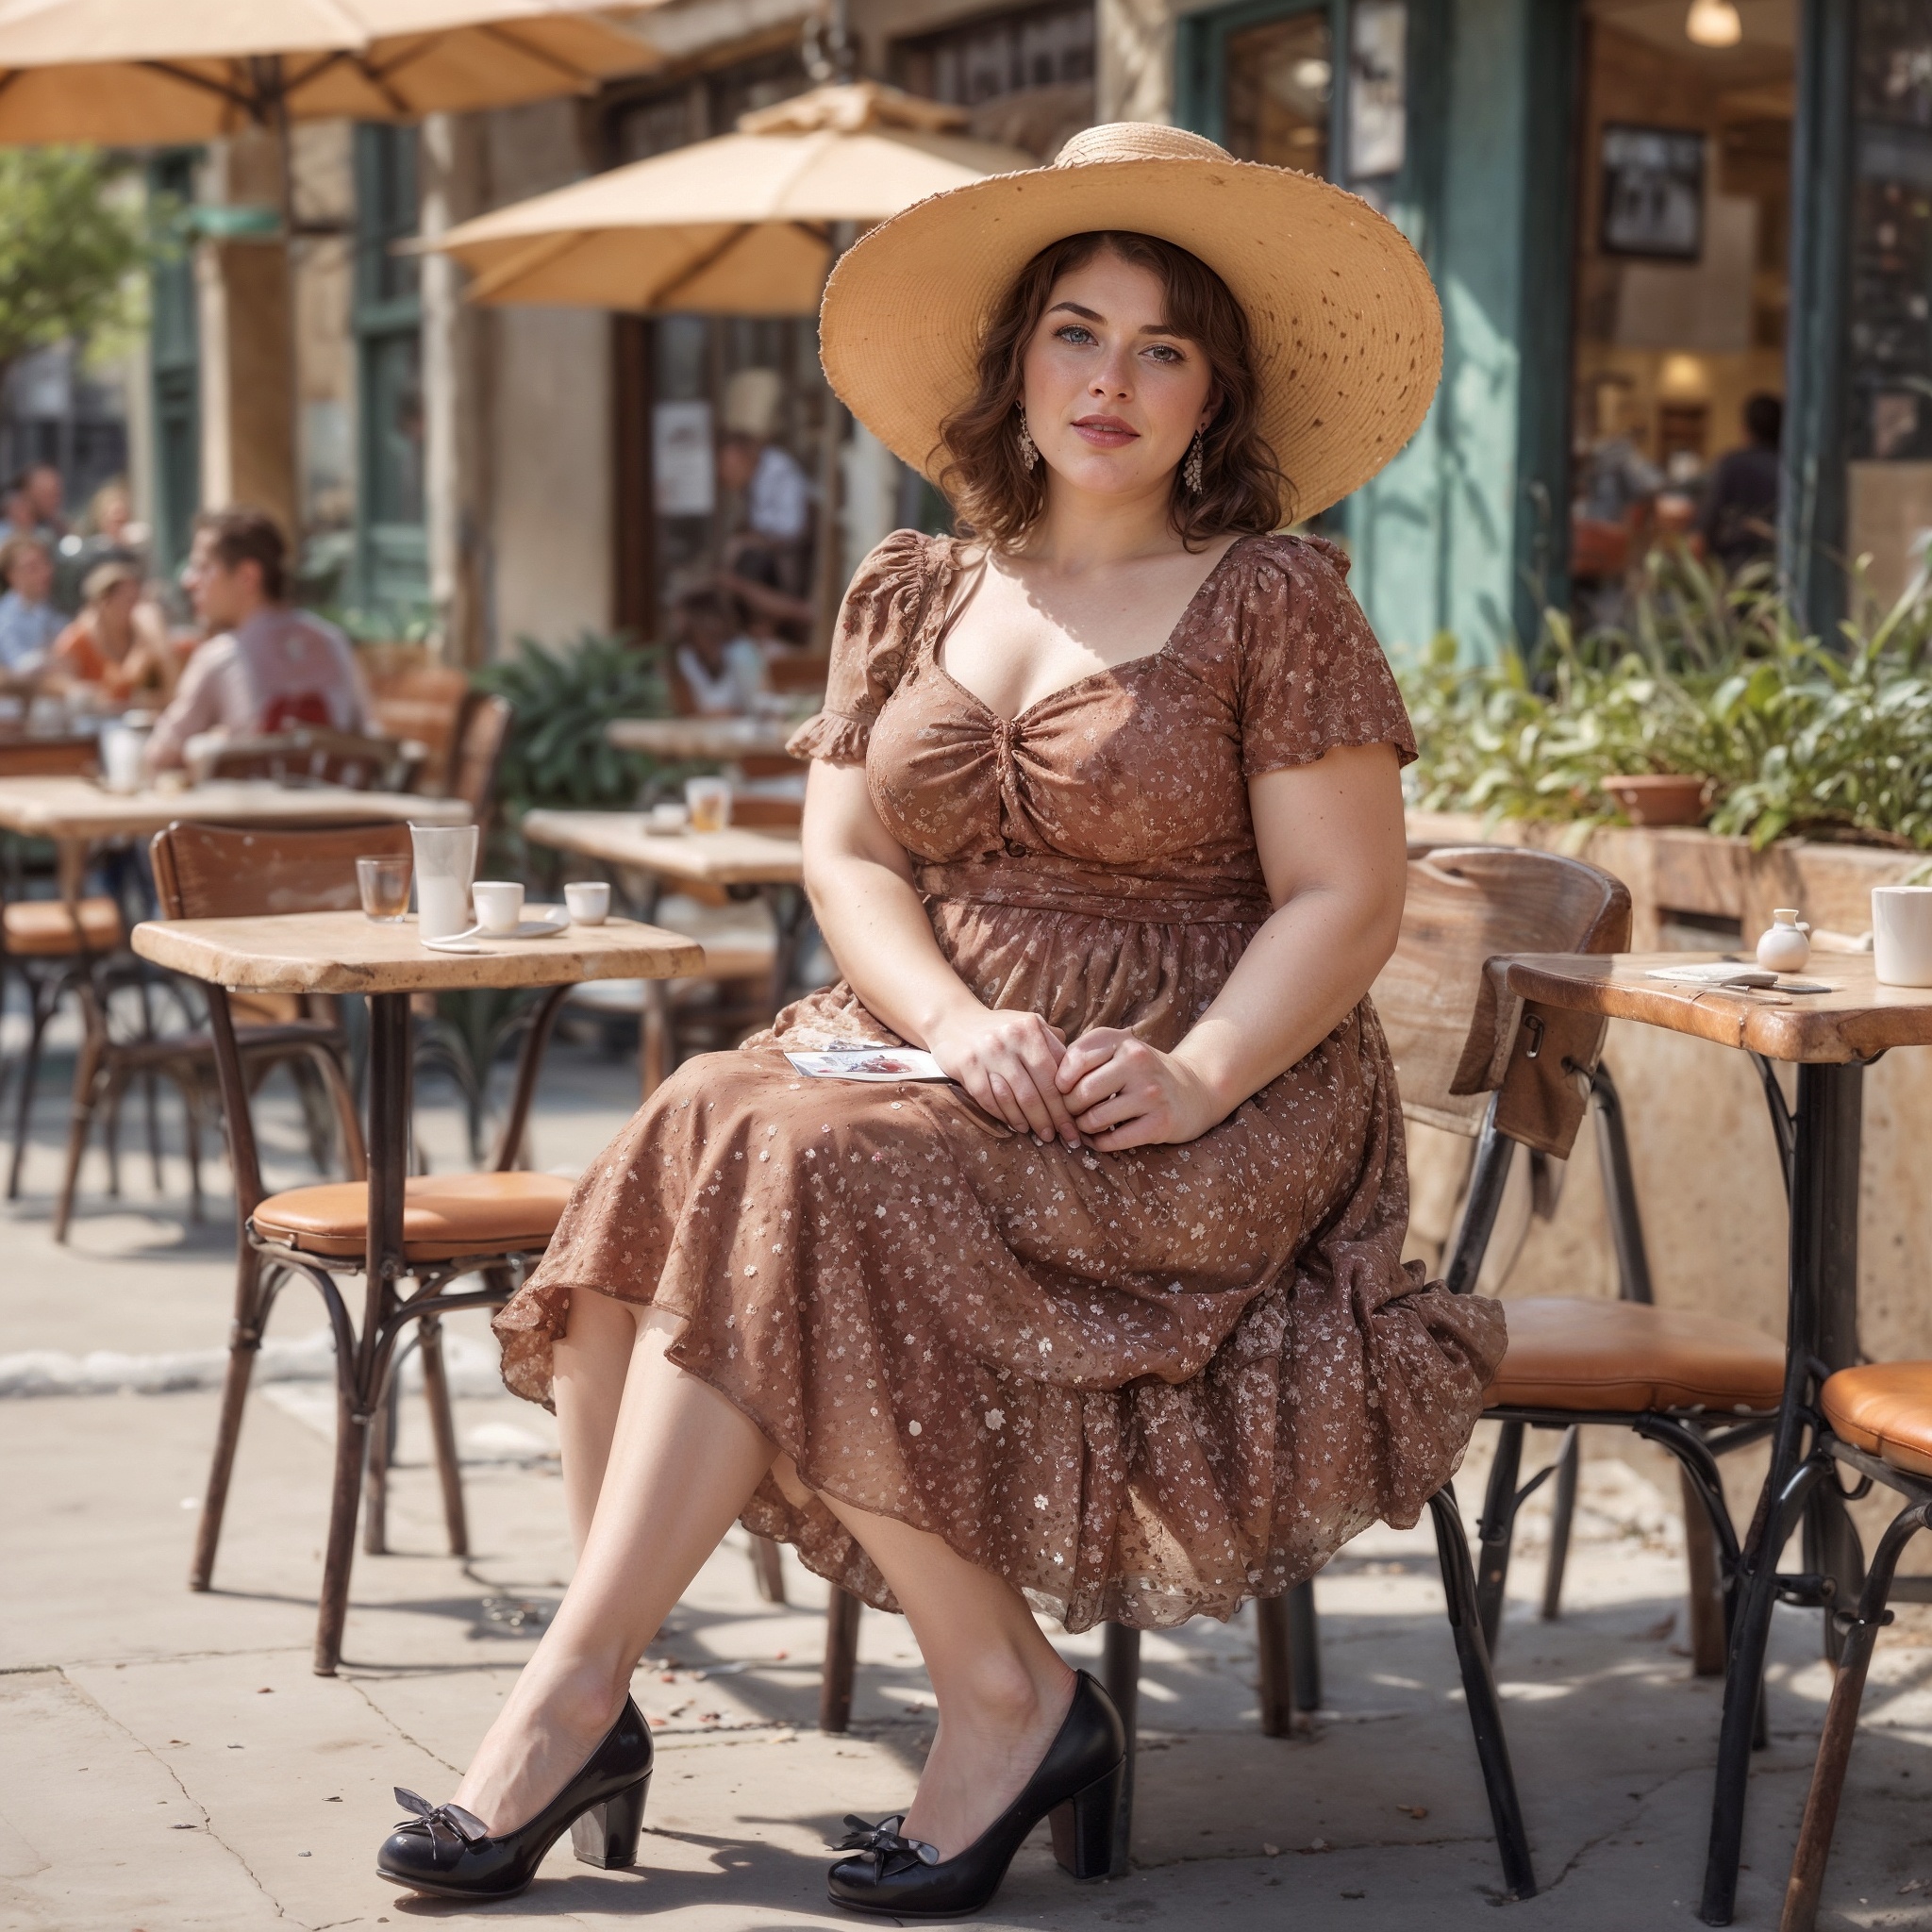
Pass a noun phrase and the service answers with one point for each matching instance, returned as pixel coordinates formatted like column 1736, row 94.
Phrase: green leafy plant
column 557, row 753
column 1713, row 679
column 69, row 247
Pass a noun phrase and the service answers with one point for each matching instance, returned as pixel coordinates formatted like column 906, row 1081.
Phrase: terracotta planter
column 1667, row 798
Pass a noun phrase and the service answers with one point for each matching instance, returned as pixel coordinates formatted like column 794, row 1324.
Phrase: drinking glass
column 445, row 864
column 710, row 800
column 384, row 884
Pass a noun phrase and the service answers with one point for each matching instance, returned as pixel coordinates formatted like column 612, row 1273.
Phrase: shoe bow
column 464, row 1826
column 891, row 1853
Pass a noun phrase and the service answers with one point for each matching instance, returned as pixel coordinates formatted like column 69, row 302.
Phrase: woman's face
column 1112, row 396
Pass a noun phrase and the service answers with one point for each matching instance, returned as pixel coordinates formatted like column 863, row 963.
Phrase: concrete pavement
column 168, row 1760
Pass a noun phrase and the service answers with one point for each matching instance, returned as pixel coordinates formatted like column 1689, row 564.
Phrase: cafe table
column 746, row 864
column 714, row 740
column 1830, row 1038
column 77, row 813
column 345, row 953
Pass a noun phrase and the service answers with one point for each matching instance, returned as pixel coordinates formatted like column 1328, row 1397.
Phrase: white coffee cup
column 499, row 904
column 1902, row 935
column 589, row 901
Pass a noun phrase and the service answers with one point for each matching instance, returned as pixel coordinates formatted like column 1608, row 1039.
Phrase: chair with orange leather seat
column 1876, row 1419
column 489, row 1225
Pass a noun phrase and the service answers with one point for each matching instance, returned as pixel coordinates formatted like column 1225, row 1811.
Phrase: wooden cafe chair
column 314, row 755
column 51, row 944
column 492, row 1225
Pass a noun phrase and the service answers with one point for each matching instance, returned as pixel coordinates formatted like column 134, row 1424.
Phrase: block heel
column 606, row 1834
column 1083, row 1826
column 1077, row 1785
column 450, row 1853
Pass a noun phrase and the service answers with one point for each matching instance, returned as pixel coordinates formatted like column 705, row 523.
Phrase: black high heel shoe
column 448, row 1851
column 1077, row 1786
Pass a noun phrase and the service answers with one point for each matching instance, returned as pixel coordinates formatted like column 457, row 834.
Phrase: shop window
column 390, row 570
column 1682, row 286
column 1889, row 485
column 1026, row 78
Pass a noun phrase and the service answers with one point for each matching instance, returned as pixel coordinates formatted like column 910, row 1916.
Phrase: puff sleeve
column 1311, row 674
column 877, row 624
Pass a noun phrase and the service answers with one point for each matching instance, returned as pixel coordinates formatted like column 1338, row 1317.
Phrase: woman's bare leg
column 1003, row 1689
column 590, row 1365
column 682, row 1463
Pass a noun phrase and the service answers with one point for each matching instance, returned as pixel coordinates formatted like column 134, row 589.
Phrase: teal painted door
column 175, row 366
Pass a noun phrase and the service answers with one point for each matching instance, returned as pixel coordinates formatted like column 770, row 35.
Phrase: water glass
column 710, row 802
column 384, row 884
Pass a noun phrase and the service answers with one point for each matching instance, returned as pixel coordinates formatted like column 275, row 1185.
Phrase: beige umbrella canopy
column 128, row 72
column 738, row 225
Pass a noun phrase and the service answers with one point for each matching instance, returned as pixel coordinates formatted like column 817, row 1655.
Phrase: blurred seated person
column 1739, row 521
column 118, row 645
column 776, row 492
column 265, row 667
column 1616, row 478
column 722, row 669
column 775, row 620
column 29, row 623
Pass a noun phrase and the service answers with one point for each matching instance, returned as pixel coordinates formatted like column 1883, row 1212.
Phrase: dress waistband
column 1038, row 884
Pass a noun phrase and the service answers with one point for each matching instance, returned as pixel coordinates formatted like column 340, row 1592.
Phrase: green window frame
column 175, row 364
column 390, row 570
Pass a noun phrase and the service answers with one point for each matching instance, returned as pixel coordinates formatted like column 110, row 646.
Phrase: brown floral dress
column 1140, row 1386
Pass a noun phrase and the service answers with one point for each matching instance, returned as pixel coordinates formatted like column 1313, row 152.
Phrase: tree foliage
column 68, row 245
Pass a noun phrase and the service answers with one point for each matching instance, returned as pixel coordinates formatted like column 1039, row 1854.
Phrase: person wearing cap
column 1111, row 1322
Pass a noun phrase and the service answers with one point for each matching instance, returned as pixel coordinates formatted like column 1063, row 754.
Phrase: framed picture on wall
column 1653, row 192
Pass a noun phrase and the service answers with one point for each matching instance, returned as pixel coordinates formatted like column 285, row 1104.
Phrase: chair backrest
column 478, row 759
column 48, row 757
column 312, row 755
column 234, row 871
column 427, row 704
column 1449, row 1026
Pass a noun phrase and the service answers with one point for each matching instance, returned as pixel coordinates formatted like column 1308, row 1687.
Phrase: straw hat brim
column 1346, row 329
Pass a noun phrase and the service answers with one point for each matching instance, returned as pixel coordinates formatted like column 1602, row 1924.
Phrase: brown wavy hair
column 999, row 498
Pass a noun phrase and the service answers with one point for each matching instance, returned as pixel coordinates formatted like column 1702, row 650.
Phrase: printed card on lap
column 868, row 1063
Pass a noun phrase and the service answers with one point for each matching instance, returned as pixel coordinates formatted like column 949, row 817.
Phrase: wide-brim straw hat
column 1344, row 323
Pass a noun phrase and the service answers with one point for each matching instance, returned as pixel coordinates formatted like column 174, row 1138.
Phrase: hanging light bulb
column 1714, row 24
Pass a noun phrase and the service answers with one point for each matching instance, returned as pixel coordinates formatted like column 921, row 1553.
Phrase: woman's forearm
column 1304, row 971
column 878, row 931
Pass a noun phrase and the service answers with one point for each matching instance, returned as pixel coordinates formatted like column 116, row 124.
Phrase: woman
column 118, row 645
column 1104, row 813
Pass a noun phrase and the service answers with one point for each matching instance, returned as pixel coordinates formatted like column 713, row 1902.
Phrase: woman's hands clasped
column 1109, row 1090
column 1008, row 1061
column 1123, row 1092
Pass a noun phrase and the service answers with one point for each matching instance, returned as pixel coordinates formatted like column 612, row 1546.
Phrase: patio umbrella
column 747, row 223
column 742, row 224
column 133, row 72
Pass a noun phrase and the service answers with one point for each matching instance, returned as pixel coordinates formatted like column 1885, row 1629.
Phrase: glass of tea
column 709, row 803
column 385, row 887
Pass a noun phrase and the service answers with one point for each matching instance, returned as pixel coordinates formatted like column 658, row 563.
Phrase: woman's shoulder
column 907, row 559
column 1266, row 563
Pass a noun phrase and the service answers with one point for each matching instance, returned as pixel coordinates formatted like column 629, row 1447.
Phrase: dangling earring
column 1190, row 469
column 1029, row 450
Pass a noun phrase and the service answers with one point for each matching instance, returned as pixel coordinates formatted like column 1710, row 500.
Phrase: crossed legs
column 657, row 1466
